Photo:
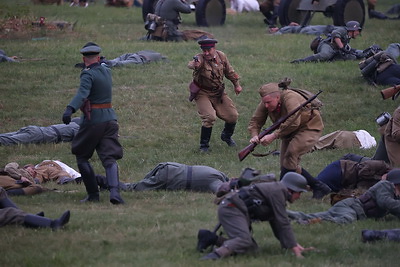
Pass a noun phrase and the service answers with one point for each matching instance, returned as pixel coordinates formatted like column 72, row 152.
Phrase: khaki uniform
column 212, row 101
column 337, row 139
column 391, row 136
column 11, row 179
column 298, row 134
column 48, row 171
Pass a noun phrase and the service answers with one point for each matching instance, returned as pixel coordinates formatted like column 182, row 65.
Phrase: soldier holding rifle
column 298, row 133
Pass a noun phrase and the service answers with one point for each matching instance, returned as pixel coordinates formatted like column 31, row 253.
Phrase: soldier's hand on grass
column 298, row 250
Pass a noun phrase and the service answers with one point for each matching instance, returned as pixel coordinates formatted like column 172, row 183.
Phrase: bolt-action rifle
column 392, row 92
column 248, row 149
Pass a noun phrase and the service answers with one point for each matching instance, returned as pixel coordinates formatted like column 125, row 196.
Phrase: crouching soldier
column 258, row 202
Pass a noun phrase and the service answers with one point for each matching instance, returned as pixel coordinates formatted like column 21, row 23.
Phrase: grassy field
column 158, row 124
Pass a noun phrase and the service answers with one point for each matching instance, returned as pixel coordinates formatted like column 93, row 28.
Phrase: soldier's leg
column 5, row 202
column 156, row 179
column 11, row 215
column 83, row 146
column 227, row 111
column 36, row 221
column 109, row 151
column 393, row 50
column 374, row 235
column 299, row 145
column 208, row 116
column 237, row 227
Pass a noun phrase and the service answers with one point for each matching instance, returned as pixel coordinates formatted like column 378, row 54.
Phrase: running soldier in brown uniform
column 258, row 202
column 209, row 69
column 298, row 134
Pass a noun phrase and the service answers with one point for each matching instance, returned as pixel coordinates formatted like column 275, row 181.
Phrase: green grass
column 158, row 124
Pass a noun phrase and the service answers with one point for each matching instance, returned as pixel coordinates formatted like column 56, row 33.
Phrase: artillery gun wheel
column 346, row 10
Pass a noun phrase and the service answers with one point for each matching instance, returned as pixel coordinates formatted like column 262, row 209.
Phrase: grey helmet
column 394, row 176
column 353, row 25
column 295, row 182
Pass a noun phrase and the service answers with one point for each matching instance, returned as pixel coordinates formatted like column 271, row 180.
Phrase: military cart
column 302, row 11
column 208, row 12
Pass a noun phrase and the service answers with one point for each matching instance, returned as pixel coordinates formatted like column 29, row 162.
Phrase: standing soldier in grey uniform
column 298, row 133
column 209, row 69
column 99, row 126
column 337, row 45
column 11, row 214
column 258, row 202
column 169, row 11
column 381, row 199
column 39, row 135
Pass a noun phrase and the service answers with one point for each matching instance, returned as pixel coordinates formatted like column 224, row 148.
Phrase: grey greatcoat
column 265, row 202
column 177, row 176
column 377, row 202
column 36, row 135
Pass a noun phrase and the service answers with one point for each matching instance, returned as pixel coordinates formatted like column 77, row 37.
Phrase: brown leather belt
column 103, row 105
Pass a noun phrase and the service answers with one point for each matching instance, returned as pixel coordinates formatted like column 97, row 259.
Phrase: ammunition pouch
column 369, row 205
column 315, row 43
column 252, row 204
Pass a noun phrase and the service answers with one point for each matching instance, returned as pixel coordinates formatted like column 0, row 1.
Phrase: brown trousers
column 9, row 183
column 294, row 147
column 209, row 108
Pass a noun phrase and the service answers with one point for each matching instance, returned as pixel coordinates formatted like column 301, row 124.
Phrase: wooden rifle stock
column 250, row 148
column 390, row 92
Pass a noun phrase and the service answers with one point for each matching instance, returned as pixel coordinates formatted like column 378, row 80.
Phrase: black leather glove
column 66, row 118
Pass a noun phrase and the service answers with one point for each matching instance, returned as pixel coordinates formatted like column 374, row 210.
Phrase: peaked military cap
column 90, row 49
column 207, row 43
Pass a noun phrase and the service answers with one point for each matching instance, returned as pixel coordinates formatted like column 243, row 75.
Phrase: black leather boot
column 205, row 138
column 36, row 221
column 319, row 188
column 375, row 235
column 205, row 238
column 284, row 171
column 113, row 183
column 227, row 133
column 16, row 192
column 89, row 179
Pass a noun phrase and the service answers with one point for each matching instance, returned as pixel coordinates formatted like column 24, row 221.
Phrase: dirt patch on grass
column 26, row 28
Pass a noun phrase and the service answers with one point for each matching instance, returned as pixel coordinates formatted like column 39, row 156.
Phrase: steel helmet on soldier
column 295, row 182
column 353, row 25
column 394, row 176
